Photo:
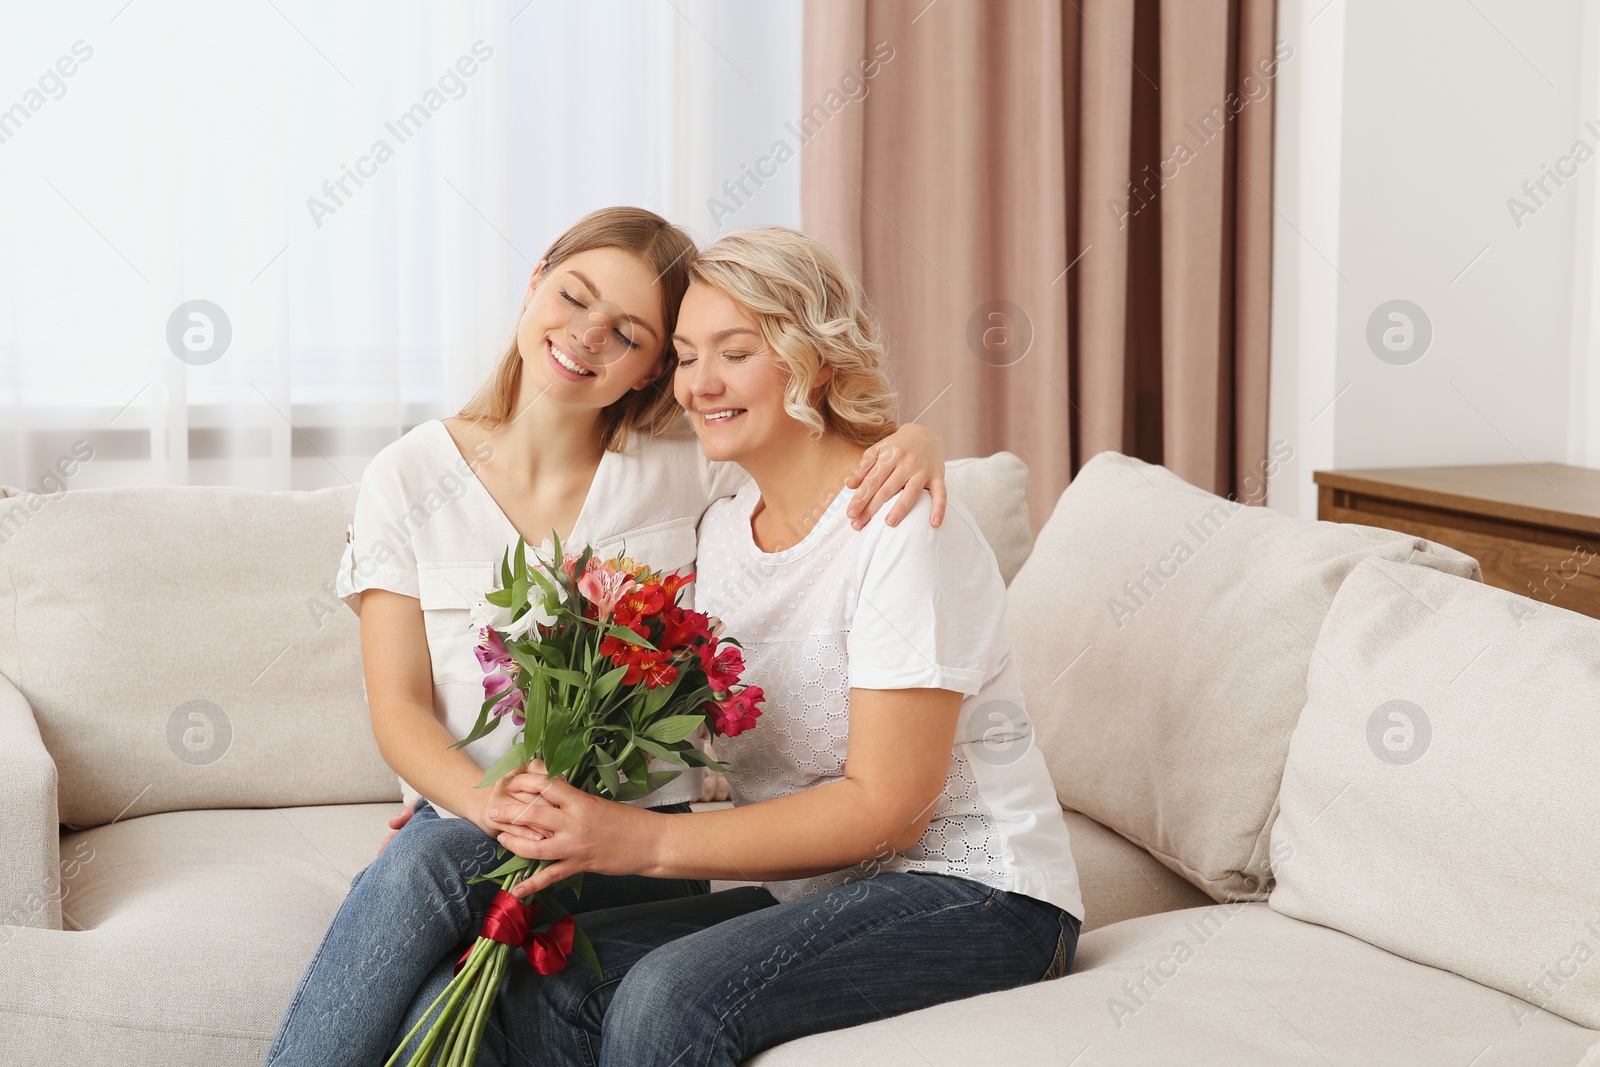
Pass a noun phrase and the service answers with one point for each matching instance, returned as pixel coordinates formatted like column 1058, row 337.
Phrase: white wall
column 1403, row 130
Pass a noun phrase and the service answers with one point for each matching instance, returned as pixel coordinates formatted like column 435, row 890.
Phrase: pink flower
column 603, row 587
column 510, row 696
column 737, row 713
column 722, row 668
column 491, row 653
column 569, row 562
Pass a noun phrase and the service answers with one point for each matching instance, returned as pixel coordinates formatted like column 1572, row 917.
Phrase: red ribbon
column 508, row 922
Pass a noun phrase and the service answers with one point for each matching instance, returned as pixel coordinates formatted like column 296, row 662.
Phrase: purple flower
column 510, row 696
column 492, row 654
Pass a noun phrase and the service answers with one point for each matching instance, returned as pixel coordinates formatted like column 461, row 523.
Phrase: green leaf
column 515, row 865
column 657, row 779
column 513, row 758
column 505, row 570
column 551, row 596
column 657, row 750
column 696, row 700
column 546, row 653
column 564, row 760
column 657, row 698
column 525, row 660
column 499, row 597
column 628, row 634
column 585, row 950
column 519, row 562
column 629, row 791
column 484, row 726
column 561, row 674
column 607, row 683
column 699, row 756
column 674, row 728
column 634, row 764
column 608, row 773
column 535, row 712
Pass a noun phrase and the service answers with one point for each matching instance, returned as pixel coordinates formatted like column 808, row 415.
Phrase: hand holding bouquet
column 601, row 669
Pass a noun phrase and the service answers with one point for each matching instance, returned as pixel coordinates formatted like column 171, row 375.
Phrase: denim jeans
column 409, row 912
column 710, row 980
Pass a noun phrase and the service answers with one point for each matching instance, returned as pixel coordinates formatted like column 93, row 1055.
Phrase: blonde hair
column 812, row 314
column 667, row 251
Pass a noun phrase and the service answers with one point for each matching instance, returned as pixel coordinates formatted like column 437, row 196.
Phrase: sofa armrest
column 30, row 871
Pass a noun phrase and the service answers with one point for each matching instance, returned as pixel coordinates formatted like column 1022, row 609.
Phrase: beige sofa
column 1332, row 800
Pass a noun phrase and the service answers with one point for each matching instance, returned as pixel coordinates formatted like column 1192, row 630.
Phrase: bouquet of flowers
column 600, row 668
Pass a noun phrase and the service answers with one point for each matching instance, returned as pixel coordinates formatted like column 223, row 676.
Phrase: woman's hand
column 501, row 802
column 906, row 463
column 579, row 831
column 395, row 824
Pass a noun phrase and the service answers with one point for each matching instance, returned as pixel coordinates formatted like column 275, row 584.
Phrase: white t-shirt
column 426, row 527
column 888, row 607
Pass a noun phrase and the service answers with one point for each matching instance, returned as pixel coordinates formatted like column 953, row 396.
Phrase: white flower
column 545, row 554
column 491, row 615
column 536, row 615
column 499, row 618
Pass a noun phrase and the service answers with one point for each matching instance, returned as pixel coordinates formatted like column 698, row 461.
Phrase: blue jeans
column 710, row 980
column 409, row 912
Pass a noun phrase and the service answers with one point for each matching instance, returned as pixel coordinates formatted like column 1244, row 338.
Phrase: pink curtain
column 1060, row 212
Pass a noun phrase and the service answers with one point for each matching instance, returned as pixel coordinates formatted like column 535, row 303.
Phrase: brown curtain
column 1060, row 213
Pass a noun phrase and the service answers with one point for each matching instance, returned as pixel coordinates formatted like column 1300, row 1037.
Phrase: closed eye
column 624, row 338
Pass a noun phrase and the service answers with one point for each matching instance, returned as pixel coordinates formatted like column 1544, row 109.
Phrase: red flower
column 671, row 583
column 680, row 627
column 655, row 669
column 737, row 713
column 617, row 648
column 658, row 672
column 643, row 600
column 722, row 668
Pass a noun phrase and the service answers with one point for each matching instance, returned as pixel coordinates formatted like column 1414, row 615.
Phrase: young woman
column 907, row 859
column 575, row 431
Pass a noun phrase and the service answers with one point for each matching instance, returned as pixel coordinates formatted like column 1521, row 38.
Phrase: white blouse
column 426, row 527
column 889, row 607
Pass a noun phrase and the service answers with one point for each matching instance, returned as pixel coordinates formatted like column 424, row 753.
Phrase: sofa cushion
column 187, row 933
column 1120, row 880
column 1440, row 797
column 182, row 647
column 1164, row 634
column 995, row 489
column 1228, row 985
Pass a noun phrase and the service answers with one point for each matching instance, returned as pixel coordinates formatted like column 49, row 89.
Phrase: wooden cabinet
column 1535, row 530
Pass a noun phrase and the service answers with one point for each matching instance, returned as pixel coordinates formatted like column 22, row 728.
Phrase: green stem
column 480, row 1019
column 475, row 1013
column 459, row 984
column 423, row 1021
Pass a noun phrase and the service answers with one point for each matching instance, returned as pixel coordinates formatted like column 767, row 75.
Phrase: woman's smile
column 566, row 364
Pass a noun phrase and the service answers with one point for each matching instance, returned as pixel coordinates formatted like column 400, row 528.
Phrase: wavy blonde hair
column 812, row 313
column 667, row 251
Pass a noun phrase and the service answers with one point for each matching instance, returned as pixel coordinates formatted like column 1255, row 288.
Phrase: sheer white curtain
column 250, row 244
